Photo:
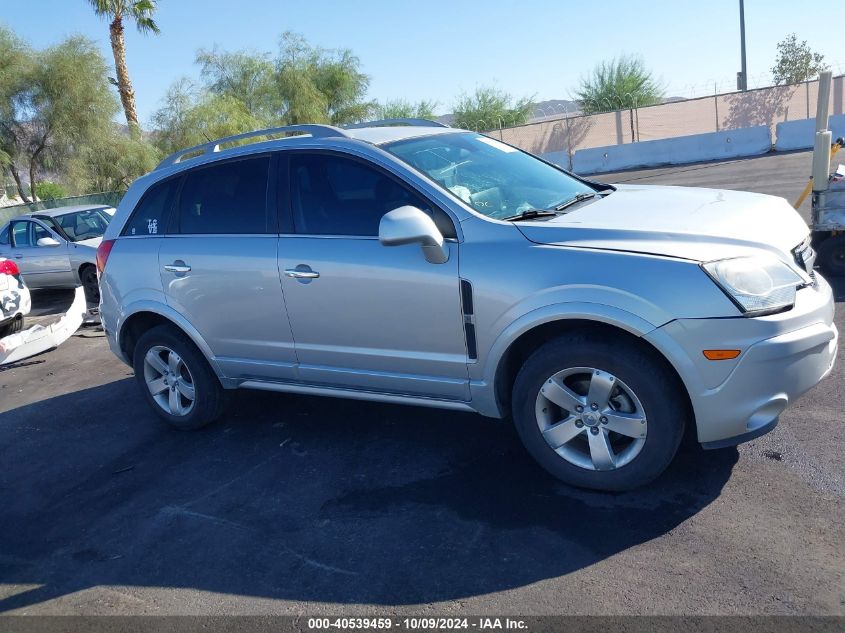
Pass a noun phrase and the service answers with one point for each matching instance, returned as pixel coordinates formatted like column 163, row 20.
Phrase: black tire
column 90, row 283
column 831, row 257
column 209, row 397
column 640, row 369
column 12, row 327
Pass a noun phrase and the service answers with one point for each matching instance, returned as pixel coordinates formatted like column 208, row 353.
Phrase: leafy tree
column 490, row 108
column 241, row 91
column 59, row 102
column 16, row 66
column 112, row 162
column 618, row 84
column 246, row 76
column 402, row 109
column 191, row 116
column 795, row 62
column 319, row 85
column 47, row 190
column 141, row 12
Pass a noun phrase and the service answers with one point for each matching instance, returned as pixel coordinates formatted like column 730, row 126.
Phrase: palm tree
column 141, row 11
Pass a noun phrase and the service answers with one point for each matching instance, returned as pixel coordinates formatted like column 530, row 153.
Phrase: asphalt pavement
column 302, row 505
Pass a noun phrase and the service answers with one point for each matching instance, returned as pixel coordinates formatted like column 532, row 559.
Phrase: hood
column 93, row 242
column 683, row 222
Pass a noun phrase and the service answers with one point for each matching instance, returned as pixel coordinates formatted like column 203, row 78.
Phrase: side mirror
column 409, row 225
column 48, row 241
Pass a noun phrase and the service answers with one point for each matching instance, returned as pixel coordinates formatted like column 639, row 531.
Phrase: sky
column 439, row 49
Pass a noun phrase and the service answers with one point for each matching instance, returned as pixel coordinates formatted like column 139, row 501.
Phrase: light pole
column 742, row 76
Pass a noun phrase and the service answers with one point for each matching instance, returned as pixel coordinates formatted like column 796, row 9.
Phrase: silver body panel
column 382, row 323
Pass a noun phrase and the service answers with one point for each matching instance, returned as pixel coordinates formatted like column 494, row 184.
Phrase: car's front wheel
column 832, row 256
column 598, row 412
column 176, row 379
column 90, row 284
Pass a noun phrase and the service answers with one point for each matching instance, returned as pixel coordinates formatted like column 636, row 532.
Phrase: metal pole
column 744, row 84
column 807, row 91
column 716, row 104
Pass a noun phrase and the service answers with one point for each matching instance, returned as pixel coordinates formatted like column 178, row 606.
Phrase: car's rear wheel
column 12, row 327
column 832, row 256
column 176, row 379
column 90, row 284
column 599, row 412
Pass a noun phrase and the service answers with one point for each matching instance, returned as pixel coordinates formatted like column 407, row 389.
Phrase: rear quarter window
column 150, row 216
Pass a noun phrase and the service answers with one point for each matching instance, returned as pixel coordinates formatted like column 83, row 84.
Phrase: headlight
column 757, row 285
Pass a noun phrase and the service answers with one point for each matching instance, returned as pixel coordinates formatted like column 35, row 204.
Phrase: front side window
column 495, row 179
column 230, row 197
column 333, row 195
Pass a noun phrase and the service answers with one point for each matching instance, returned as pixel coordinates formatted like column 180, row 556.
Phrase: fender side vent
column 469, row 319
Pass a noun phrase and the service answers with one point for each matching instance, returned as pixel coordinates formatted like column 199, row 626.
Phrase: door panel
column 41, row 266
column 233, row 296
column 377, row 317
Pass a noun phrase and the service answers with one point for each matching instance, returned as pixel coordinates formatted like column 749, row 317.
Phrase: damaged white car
column 15, row 301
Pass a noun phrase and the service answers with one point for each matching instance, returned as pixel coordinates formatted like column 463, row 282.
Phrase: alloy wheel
column 169, row 381
column 591, row 418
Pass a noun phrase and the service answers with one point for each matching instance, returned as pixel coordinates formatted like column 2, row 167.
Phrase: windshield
column 79, row 225
column 495, row 179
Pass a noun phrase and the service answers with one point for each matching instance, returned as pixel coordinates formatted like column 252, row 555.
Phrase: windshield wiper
column 575, row 200
column 530, row 214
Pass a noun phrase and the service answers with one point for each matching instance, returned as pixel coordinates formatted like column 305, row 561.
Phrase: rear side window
column 227, row 198
column 150, row 215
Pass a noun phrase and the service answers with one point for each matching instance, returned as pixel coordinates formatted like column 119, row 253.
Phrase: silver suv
column 407, row 262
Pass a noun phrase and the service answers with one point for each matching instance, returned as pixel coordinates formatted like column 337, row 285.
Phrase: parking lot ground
column 301, row 505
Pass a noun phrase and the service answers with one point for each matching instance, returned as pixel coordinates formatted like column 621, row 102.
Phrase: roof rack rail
column 400, row 121
column 314, row 130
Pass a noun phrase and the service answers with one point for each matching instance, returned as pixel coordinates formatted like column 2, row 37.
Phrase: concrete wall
column 730, row 111
column 750, row 141
column 800, row 134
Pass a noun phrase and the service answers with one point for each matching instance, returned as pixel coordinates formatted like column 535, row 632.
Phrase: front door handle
column 301, row 274
column 177, row 267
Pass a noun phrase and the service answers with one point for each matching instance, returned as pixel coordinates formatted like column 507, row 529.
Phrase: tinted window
column 4, row 235
column 331, row 195
column 226, row 198
column 150, row 215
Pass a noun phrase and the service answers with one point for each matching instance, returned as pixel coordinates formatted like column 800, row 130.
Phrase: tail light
column 8, row 267
column 103, row 251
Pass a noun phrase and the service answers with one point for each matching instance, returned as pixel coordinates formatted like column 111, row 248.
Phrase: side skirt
column 340, row 392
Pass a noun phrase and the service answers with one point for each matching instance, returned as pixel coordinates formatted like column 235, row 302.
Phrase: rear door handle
column 302, row 274
column 177, row 267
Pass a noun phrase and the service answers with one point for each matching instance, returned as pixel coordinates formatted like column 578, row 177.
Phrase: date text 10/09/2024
column 413, row 623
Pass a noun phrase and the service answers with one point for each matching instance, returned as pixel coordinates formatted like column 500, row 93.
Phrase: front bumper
column 782, row 357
